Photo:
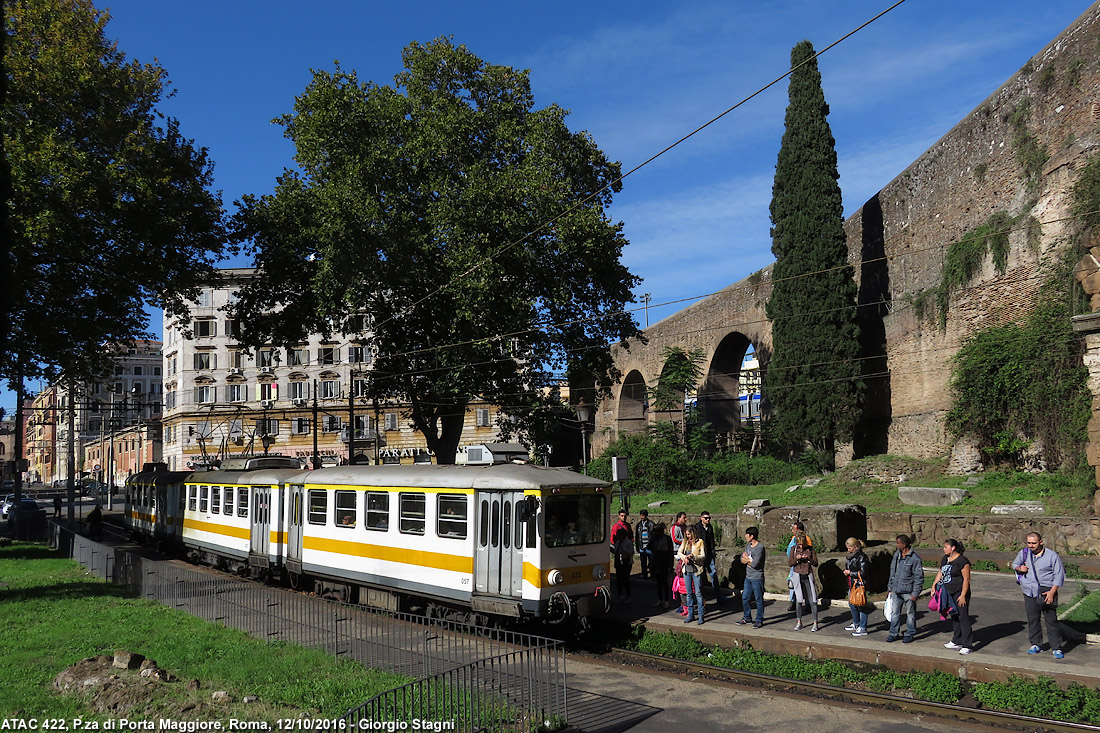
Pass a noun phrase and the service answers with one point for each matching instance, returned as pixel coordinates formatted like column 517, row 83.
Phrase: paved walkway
column 997, row 609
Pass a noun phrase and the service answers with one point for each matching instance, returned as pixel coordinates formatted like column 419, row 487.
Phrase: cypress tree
column 812, row 381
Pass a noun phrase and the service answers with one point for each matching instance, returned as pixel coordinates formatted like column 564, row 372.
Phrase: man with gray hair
column 1041, row 574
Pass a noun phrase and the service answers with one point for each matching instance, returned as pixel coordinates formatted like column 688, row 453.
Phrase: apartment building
column 221, row 400
column 129, row 396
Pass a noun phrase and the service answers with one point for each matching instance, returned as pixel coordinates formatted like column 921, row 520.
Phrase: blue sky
column 637, row 76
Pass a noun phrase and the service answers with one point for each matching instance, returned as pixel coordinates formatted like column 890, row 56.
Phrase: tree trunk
column 444, row 441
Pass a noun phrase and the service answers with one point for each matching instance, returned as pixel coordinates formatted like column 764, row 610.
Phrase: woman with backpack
column 624, row 561
column 803, row 560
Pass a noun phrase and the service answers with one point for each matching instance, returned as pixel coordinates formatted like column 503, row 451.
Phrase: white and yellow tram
column 509, row 539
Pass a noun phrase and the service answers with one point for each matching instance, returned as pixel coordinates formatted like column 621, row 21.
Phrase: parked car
column 5, row 505
column 27, row 513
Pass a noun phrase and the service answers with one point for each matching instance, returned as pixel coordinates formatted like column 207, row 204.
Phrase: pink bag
column 934, row 603
column 679, row 585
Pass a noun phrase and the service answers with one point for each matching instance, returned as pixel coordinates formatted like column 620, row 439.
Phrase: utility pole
column 351, row 417
column 71, row 473
column 645, row 299
column 316, row 427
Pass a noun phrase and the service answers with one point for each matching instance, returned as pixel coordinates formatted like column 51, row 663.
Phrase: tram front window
column 575, row 520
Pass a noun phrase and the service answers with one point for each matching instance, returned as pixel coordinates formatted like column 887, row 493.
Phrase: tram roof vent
column 252, row 463
column 490, row 453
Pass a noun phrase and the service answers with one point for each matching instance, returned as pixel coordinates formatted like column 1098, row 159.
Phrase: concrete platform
column 997, row 610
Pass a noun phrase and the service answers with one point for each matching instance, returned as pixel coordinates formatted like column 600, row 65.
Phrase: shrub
column 1042, row 698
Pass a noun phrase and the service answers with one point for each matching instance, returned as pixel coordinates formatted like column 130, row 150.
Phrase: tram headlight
column 555, row 577
column 599, row 572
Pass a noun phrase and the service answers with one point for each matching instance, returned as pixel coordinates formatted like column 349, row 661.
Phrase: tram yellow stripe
column 537, row 577
column 278, row 537
column 422, row 558
column 241, row 533
column 141, row 516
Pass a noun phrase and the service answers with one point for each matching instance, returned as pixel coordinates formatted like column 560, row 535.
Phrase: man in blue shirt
column 906, row 582
column 1041, row 574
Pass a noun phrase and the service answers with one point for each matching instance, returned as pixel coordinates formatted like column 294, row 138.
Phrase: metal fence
column 466, row 678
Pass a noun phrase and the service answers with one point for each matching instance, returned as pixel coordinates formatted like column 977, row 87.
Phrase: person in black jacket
column 855, row 567
column 706, row 533
column 660, row 544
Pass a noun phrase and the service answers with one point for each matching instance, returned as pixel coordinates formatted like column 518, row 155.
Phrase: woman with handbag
column 855, row 566
column 694, row 558
column 803, row 560
column 953, row 585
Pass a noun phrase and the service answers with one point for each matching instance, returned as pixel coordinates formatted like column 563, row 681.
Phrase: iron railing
column 466, row 678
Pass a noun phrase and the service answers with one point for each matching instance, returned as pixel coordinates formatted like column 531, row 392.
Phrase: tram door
column 498, row 568
column 295, row 528
column 261, row 521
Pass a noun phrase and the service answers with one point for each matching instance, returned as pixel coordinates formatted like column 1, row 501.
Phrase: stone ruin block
column 828, row 526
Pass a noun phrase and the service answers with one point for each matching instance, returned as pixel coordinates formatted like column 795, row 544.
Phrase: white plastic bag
column 892, row 607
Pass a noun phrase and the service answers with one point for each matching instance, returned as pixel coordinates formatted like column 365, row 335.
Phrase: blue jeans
column 753, row 591
column 859, row 617
column 712, row 573
column 646, row 556
column 694, row 585
column 909, row 608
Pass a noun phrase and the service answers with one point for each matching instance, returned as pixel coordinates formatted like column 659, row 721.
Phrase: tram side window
column 227, row 508
column 483, row 538
column 204, row 498
column 452, row 516
column 318, row 506
column 378, row 510
column 242, row 502
column 519, row 525
column 411, row 508
column 193, row 498
column 346, row 513
column 215, row 499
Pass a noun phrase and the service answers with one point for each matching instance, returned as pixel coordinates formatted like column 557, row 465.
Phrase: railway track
column 818, row 691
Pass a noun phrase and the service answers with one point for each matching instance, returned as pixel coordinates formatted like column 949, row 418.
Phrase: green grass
column 861, row 482
column 54, row 615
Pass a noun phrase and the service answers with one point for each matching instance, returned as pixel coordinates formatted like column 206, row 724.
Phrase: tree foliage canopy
column 108, row 205
column 420, row 205
column 812, row 379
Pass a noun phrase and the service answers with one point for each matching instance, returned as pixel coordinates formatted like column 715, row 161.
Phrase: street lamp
column 584, row 411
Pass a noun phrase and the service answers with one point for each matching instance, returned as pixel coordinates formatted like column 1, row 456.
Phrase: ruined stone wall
column 974, row 171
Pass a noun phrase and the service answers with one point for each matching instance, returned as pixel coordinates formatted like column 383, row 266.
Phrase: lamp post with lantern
column 584, row 411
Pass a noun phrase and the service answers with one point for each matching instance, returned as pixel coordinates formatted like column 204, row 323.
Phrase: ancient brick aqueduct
column 897, row 243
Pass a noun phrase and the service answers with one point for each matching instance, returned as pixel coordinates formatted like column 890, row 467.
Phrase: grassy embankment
column 54, row 614
column 869, row 482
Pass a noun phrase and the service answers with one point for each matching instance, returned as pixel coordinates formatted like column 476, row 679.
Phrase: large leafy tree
column 108, row 208
column 812, row 381
column 466, row 225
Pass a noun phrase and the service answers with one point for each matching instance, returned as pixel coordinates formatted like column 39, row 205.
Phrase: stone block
column 700, row 492
column 127, row 660
column 758, row 503
column 827, row 525
column 930, row 496
column 886, row 526
column 1016, row 509
column 658, row 504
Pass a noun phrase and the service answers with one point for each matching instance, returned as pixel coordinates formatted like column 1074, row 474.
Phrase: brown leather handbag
column 857, row 596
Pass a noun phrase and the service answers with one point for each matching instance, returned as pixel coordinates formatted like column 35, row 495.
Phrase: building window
column 234, row 357
column 363, row 427
column 235, row 392
column 204, row 395
column 452, row 516
column 378, row 510
column 411, row 508
column 299, row 390
column 318, row 506
column 205, row 299
column 330, row 389
column 299, row 426
column 156, row 371
column 236, row 428
column 268, row 390
column 391, row 420
column 205, row 361
column 138, row 371
column 232, row 329
column 330, row 424
column 483, row 418
column 359, row 354
column 328, row 355
column 267, row 426
column 345, row 509
column 265, row 358
column 297, row 357
column 205, row 327
column 359, row 387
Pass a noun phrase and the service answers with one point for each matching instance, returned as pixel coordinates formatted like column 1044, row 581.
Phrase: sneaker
column 1058, row 654
column 813, row 628
column 951, row 645
column 797, row 625
column 964, row 650
column 683, row 612
column 743, row 621
column 758, row 625
column 908, row 640
column 1034, row 649
column 850, row 627
column 891, row 638
column 859, row 632
column 790, row 607
column 689, row 619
